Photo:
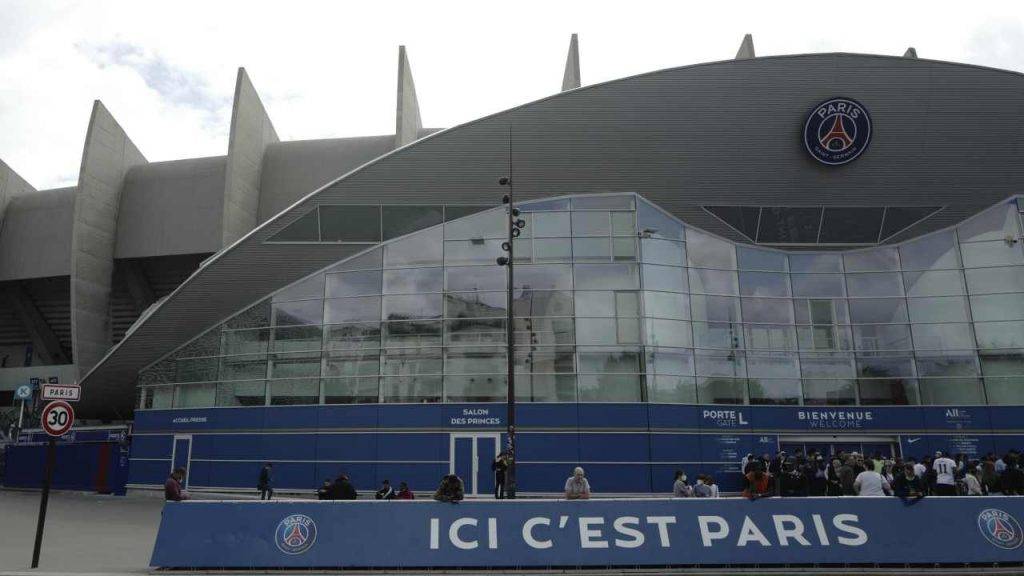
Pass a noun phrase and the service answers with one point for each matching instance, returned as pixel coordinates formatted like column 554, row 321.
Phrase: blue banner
column 531, row 533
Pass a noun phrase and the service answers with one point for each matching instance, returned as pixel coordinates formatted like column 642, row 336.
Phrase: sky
column 167, row 70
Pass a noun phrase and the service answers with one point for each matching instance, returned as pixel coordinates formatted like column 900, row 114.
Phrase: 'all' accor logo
column 837, row 131
column 1000, row 528
column 295, row 534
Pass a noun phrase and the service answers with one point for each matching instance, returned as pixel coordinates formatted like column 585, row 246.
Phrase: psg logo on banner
column 295, row 534
column 1000, row 528
column 837, row 131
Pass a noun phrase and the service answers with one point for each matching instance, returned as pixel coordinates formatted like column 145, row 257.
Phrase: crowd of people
column 799, row 474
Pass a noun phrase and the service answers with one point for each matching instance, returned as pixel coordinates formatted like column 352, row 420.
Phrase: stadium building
column 810, row 251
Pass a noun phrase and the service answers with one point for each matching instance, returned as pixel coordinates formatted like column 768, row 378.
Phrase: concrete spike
column 571, row 78
column 251, row 132
column 11, row 185
column 407, row 111
column 910, row 53
column 746, row 50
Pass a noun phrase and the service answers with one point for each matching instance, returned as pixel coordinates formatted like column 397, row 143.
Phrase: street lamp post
column 515, row 226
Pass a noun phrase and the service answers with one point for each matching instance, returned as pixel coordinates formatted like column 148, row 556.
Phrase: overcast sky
column 328, row 69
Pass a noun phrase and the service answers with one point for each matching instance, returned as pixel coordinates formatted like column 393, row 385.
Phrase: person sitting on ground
column 871, row 483
column 324, row 491
column 680, row 489
column 173, row 491
column 386, row 492
column 450, row 490
column 759, row 483
column 404, row 493
column 343, row 489
column 908, row 485
column 577, row 487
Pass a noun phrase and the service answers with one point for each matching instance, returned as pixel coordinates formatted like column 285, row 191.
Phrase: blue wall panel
column 289, row 447
column 152, row 446
column 617, row 477
column 359, row 446
column 548, row 446
column 415, row 447
column 347, row 416
column 675, row 448
column 614, row 448
column 613, row 416
column 543, row 477
column 149, row 471
column 363, row 475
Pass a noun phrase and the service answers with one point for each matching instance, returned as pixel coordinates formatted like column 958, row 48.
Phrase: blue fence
column 370, row 534
column 92, row 466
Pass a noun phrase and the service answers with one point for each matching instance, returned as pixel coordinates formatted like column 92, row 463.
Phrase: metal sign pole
column 21, row 416
column 51, row 457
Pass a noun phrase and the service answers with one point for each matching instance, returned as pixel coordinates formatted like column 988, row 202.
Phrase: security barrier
column 540, row 533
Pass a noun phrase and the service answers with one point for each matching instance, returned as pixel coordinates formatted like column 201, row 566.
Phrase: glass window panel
column 546, row 388
column 824, row 337
column 362, row 309
column 826, row 366
column 947, row 309
column 771, row 337
column 669, row 361
column 610, row 388
column 623, row 224
column 421, row 249
column 312, row 287
column 592, row 249
column 353, row 336
column 606, row 276
column 489, row 331
column 885, row 366
column 294, row 365
column 849, row 225
column 551, row 250
column 997, row 307
column 673, row 333
column 657, row 223
column 297, row 313
column 591, row 224
column 947, row 366
column 612, row 361
column 888, row 391
column 544, row 276
column 706, row 251
column 761, row 365
column 874, row 260
column 774, row 391
column 402, row 220
column 715, row 308
column 302, row 230
column 372, row 259
column 468, row 278
column 997, row 253
column 932, row 252
column 899, row 218
column 603, row 202
column 1004, row 378
column 789, row 225
column 993, row 224
column 363, row 283
column 769, row 310
column 1000, row 334
column 943, row 336
column 196, row 370
column 717, row 335
column 815, row 263
column 458, row 211
column 407, row 361
column 713, row 281
column 666, row 305
column 721, row 390
column 411, row 389
column 995, row 280
column 729, row 364
column 248, row 367
column 608, row 331
column 350, row 223
column 874, row 284
column 413, row 280
column 744, row 219
column 938, row 283
column 665, row 278
column 544, row 331
column 541, row 303
column 256, row 316
column 195, row 396
column 829, row 392
column 297, row 338
column 354, row 363
column 557, row 204
column 624, row 249
column 761, row 260
column 606, row 304
column 412, row 306
column 475, row 360
column 882, row 337
column 487, row 224
column 417, row 333
column 548, row 360
column 764, row 284
column 818, row 285
column 350, row 390
column 550, row 224
column 946, row 391
column 294, row 392
column 476, row 388
column 475, row 304
column 668, row 389
column 458, row 252
column 244, row 342
column 251, row 393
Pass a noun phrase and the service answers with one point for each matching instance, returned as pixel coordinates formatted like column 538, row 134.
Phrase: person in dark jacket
column 907, row 485
column 342, row 489
column 386, row 492
column 450, row 490
column 173, row 491
column 265, row 484
column 324, row 491
column 500, row 466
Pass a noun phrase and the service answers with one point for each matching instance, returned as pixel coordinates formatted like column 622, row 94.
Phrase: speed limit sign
column 58, row 416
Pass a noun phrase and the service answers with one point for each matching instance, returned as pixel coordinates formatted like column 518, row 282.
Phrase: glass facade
column 616, row 301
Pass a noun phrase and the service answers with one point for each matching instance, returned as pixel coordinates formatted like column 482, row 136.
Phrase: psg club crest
column 295, row 534
column 837, row 131
column 1000, row 529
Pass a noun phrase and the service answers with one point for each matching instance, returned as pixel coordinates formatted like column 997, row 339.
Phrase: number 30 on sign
column 58, row 416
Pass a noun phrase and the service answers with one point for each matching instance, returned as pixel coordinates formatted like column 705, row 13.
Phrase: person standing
column 577, row 487
column 971, row 483
column 342, row 489
column 499, row 467
column 680, row 489
column 265, row 483
column 945, row 475
column 173, row 491
column 871, row 483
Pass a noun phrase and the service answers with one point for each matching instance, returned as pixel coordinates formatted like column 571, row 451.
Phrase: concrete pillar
column 107, row 156
column 407, row 114
column 571, row 78
column 11, row 185
column 251, row 132
column 746, row 50
column 910, row 53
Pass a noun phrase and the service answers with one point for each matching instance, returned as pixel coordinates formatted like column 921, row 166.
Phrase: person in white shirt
column 973, row 486
column 871, row 483
column 920, row 470
column 945, row 475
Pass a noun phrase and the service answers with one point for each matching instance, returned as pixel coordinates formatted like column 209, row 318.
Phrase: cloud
column 998, row 43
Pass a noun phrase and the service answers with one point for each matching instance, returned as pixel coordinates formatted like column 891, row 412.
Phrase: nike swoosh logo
column 912, row 440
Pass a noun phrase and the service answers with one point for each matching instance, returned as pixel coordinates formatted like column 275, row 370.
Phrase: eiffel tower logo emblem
column 837, row 133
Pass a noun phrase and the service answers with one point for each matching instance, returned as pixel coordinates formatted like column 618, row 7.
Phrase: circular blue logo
column 295, row 534
column 1000, row 528
column 837, row 131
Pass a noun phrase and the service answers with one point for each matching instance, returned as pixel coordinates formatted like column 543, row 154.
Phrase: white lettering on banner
column 835, row 419
column 725, row 418
column 628, row 531
column 189, row 420
column 475, row 417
